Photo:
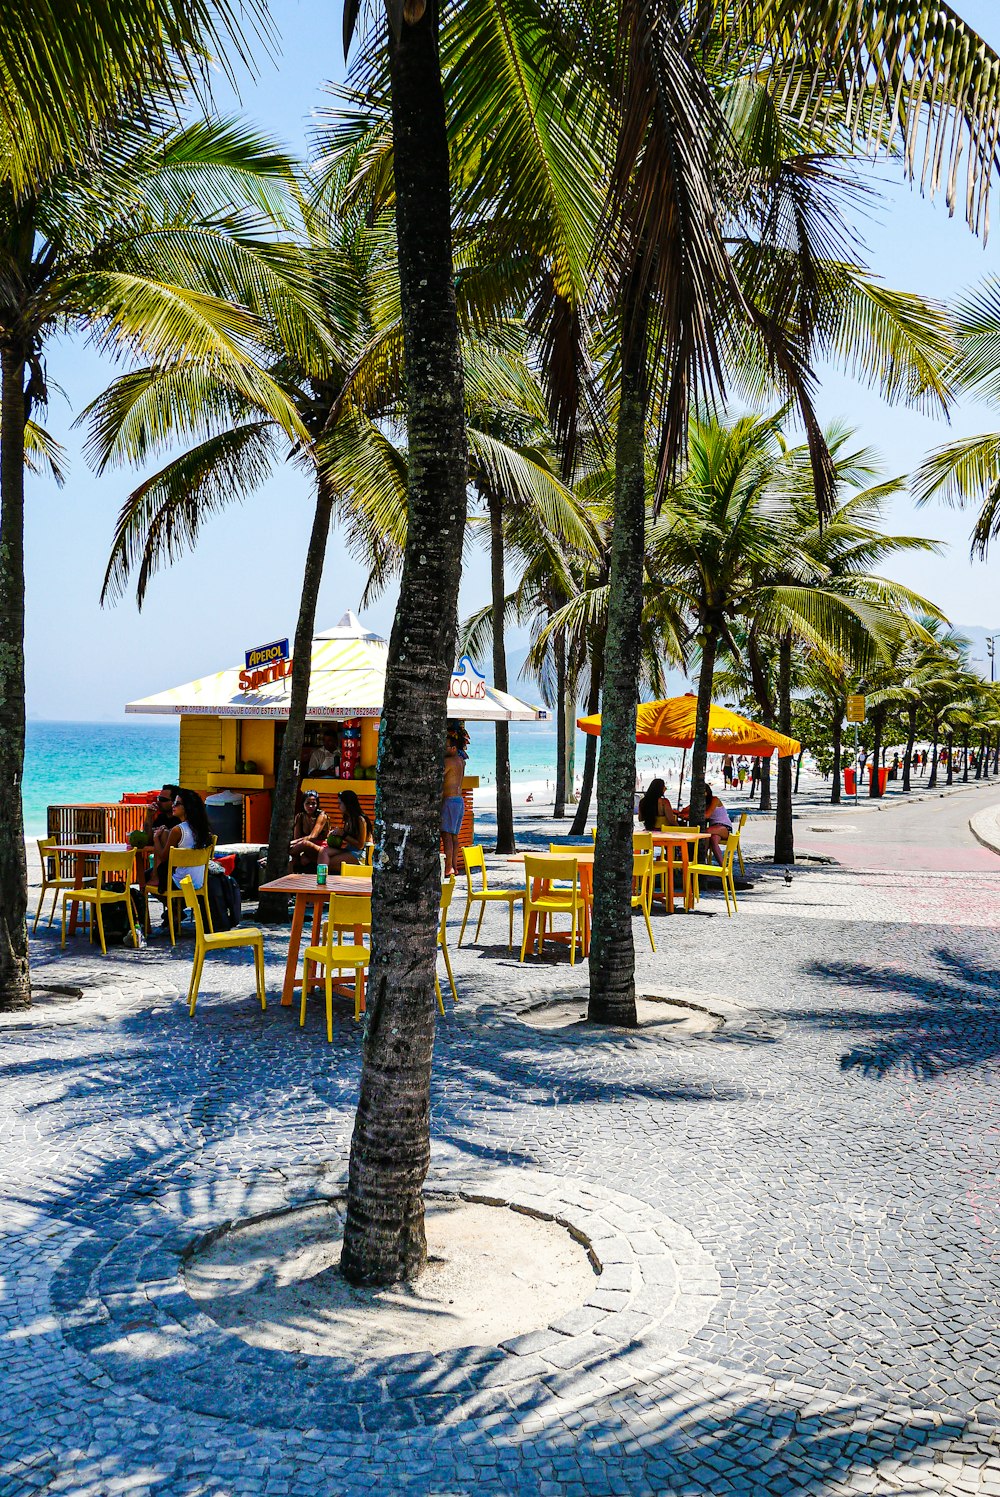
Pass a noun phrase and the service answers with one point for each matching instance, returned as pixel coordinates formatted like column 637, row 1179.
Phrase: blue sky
column 240, row 588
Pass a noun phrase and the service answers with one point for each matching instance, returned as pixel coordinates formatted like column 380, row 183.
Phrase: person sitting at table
column 719, row 823
column 158, row 822
column 325, row 760
column 654, row 807
column 347, row 843
column 192, row 831
column 309, row 835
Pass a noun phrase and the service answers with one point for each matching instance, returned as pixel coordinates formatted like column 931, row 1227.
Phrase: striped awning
column 347, row 679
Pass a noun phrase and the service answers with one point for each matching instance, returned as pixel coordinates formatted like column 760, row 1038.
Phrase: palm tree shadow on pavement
column 951, row 1023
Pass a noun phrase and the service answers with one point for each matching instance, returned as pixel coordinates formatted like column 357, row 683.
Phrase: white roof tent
column 347, row 680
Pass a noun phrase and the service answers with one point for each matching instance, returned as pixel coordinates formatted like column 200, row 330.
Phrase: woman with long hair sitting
column 347, row 845
column 654, row 807
column 193, row 831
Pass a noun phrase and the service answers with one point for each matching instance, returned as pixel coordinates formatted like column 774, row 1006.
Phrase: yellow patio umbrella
column 671, row 722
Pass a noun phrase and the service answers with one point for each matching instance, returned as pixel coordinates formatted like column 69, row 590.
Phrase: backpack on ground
column 224, row 900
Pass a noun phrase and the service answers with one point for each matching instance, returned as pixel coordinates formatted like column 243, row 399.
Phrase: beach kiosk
column 232, row 722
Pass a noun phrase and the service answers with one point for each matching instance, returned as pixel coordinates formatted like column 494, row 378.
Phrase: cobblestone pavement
column 797, row 1216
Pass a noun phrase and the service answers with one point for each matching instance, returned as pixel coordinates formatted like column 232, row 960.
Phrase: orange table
column 305, row 890
column 80, row 852
column 682, row 838
column 585, row 862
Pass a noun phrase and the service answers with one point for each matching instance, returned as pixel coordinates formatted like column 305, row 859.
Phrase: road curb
column 985, row 827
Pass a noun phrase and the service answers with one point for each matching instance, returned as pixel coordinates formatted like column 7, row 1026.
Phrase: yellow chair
column 180, row 858
column 485, row 895
column 739, row 849
column 447, row 890
column 52, row 877
column 223, row 940
column 116, row 865
column 344, row 912
column 550, row 901
column 642, row 841
column 642, row 880
column 354, row 870
column 698, row 871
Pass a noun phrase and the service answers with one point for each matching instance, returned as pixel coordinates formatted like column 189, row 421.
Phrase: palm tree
column 969, row 469
column 129, row 254
column 66, row 69
column 314, row 342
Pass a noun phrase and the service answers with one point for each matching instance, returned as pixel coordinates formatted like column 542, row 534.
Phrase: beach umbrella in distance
column 671, row 723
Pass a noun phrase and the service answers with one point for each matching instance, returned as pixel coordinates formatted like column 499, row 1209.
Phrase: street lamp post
column 991, row 640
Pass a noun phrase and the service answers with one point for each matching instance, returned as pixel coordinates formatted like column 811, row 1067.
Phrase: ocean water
column 68, row 762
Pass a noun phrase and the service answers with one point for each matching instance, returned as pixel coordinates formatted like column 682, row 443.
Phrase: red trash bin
column 848, row 781
column 883, row 775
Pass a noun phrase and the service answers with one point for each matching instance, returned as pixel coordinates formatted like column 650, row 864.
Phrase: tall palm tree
column 130, row 254
column 313, row 343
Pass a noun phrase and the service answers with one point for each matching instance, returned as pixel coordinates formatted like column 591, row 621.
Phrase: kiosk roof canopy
column 347, row 679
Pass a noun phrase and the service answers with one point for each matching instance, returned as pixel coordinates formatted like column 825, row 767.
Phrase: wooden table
column 585, row 863
column 305, row 890
column 80, row 852
column 682, row 838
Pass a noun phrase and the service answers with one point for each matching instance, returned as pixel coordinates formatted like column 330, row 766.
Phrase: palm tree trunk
column 505, row 808
column 836, row 729
column 996, row 757
column 784, row 835
column 274, row 908
column 384, row 1238
column 569, row 713
column 761, row 690
column 798, row 769
column 932, row 782
column 878, row 726
column 950, row 778
column 612, row 953
column 965, row 760
column 559, row 807
column 911, row 734
column 15, row 984
column 699, row 748
column 590, row 751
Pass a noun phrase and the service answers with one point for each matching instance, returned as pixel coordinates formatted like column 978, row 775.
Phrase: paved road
column 927, row 835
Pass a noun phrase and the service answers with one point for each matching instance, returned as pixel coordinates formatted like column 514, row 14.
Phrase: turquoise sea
column 67, row 762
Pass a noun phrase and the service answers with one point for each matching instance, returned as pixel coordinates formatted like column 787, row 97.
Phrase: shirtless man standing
column 452, row 803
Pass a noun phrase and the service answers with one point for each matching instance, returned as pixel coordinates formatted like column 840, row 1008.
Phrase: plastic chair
column 642, row 876
column 447, row 890
column 109, row 864
column 485, row 895
column 550, row 902
column 223, row 940
column 48, row 851
column 739, row 849
column 344, row 912
column 697, row 871
column 642, row 841
column 180, row 858
column 354, row 870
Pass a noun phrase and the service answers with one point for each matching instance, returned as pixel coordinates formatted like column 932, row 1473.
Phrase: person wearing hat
column 308, row 835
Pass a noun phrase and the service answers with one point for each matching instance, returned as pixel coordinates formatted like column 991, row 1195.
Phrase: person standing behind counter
column 325, row 760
